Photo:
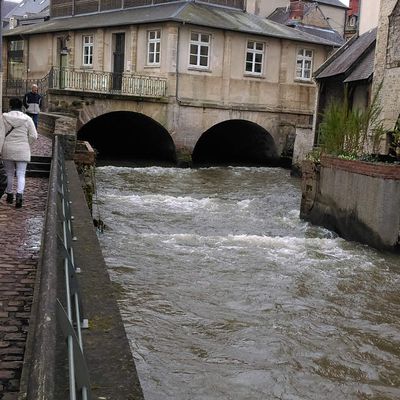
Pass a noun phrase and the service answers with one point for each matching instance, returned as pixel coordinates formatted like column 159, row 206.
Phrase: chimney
column 296, row 10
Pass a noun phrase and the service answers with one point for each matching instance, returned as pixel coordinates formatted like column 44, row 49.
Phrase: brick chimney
column 296, row 10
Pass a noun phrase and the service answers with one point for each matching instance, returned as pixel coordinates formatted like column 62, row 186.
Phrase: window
column 352, row 21
column 16, row 66
column 254, row 57
column 87, row 46
column 199, row 50
column 153, row 47
column 304, row 64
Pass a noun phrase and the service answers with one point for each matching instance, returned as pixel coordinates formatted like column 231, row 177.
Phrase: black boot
column 10, row 198
column 18, row 200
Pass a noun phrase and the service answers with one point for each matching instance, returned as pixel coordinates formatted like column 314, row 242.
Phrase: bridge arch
column 235, row 142
column 129, row 136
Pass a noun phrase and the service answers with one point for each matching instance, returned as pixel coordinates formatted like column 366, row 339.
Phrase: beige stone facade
column 196, row 98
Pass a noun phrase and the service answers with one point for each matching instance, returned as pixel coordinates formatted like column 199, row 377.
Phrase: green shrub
column 351, row 132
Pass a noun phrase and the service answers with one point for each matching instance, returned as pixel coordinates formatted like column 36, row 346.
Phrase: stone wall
column 387, row 62
column 303, row 145
column 64, row 126
column 358, row 200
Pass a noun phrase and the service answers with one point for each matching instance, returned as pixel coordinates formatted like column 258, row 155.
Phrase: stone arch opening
column 127, row 136
column 235, row 142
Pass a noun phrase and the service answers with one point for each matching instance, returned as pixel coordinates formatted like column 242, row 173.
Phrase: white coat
column 17, row 144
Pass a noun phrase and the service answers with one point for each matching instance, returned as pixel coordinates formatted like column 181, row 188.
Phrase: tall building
column 353, row 18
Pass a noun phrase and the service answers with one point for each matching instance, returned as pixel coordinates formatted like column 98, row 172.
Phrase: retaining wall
column 358, row 200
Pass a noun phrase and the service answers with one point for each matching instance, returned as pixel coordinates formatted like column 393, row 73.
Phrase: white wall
column 369, row 15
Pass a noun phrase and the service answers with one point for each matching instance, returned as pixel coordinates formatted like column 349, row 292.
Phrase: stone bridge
column 169, row 129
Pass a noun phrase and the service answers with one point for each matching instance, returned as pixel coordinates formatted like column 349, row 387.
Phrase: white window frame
column 352, row 21
column 303, row 58
column 199, row 45
column 154, row 47
column 254, row 52
column 87, row 45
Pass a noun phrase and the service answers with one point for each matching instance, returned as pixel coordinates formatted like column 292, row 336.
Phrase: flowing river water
column 227, row 294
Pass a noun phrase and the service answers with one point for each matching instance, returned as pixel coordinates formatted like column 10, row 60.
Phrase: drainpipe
column 27, row 58
column 177, row 65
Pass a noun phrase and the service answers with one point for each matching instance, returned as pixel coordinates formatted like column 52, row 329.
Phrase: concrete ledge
column 111, row 366
column 377, row 170
column 358, row 200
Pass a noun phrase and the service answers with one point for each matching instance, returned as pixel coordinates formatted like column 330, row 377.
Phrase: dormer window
column 352, row 21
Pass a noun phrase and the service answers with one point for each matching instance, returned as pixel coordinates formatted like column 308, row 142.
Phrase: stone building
column 185, row 68
column 334, row 11
column 369, row 15
column 352, row 19
column 387, row 62
column 307, row 17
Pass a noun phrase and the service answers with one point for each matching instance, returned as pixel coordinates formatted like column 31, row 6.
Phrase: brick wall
column 377, row 170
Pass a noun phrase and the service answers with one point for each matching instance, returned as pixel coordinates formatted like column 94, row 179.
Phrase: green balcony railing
column 107, row 82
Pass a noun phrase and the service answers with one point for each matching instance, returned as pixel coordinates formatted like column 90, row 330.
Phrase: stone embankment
column 108, row 355
column 358, row 200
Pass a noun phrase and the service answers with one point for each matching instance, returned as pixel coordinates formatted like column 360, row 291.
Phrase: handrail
column 38, row 379
column 38, row 374
column 18, row 87
column 107, row 82
column 70, row 319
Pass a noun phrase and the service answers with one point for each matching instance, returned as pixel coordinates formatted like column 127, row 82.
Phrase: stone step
column 39, row 167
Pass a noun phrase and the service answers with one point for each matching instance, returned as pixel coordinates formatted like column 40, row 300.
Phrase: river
column 227, row 294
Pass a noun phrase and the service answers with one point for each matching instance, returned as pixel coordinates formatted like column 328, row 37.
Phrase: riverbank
column 108, row 355
column 358, row 200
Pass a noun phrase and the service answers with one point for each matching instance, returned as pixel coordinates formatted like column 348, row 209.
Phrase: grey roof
column 344, row 59
column 6, row 7
column 328, row 34
column 334, row 3
column 364, row 69
column 183, row 12
column 27, row 7
column 281, row 15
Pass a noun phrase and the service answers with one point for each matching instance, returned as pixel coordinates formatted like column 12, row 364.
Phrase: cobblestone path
column 20, row 235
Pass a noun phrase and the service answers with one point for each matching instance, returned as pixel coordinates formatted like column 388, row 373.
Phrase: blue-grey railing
column 107, row 82
column 70, row 319
column 41, row 372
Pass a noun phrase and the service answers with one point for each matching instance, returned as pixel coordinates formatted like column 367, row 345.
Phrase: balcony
column 107, row 83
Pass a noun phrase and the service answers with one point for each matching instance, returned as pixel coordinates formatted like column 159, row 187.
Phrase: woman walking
column 18, row 135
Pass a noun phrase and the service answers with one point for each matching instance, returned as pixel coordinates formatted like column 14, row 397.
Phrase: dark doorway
column 119, row 60
column 235, row 142
column 124, row 137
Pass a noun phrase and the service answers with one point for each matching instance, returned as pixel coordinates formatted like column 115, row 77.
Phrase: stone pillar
column 65, row 127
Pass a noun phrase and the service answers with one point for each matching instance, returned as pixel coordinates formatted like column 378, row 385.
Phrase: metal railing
column 19, row 87
column 41, row 375
column 107, row 82
column 70, row 320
